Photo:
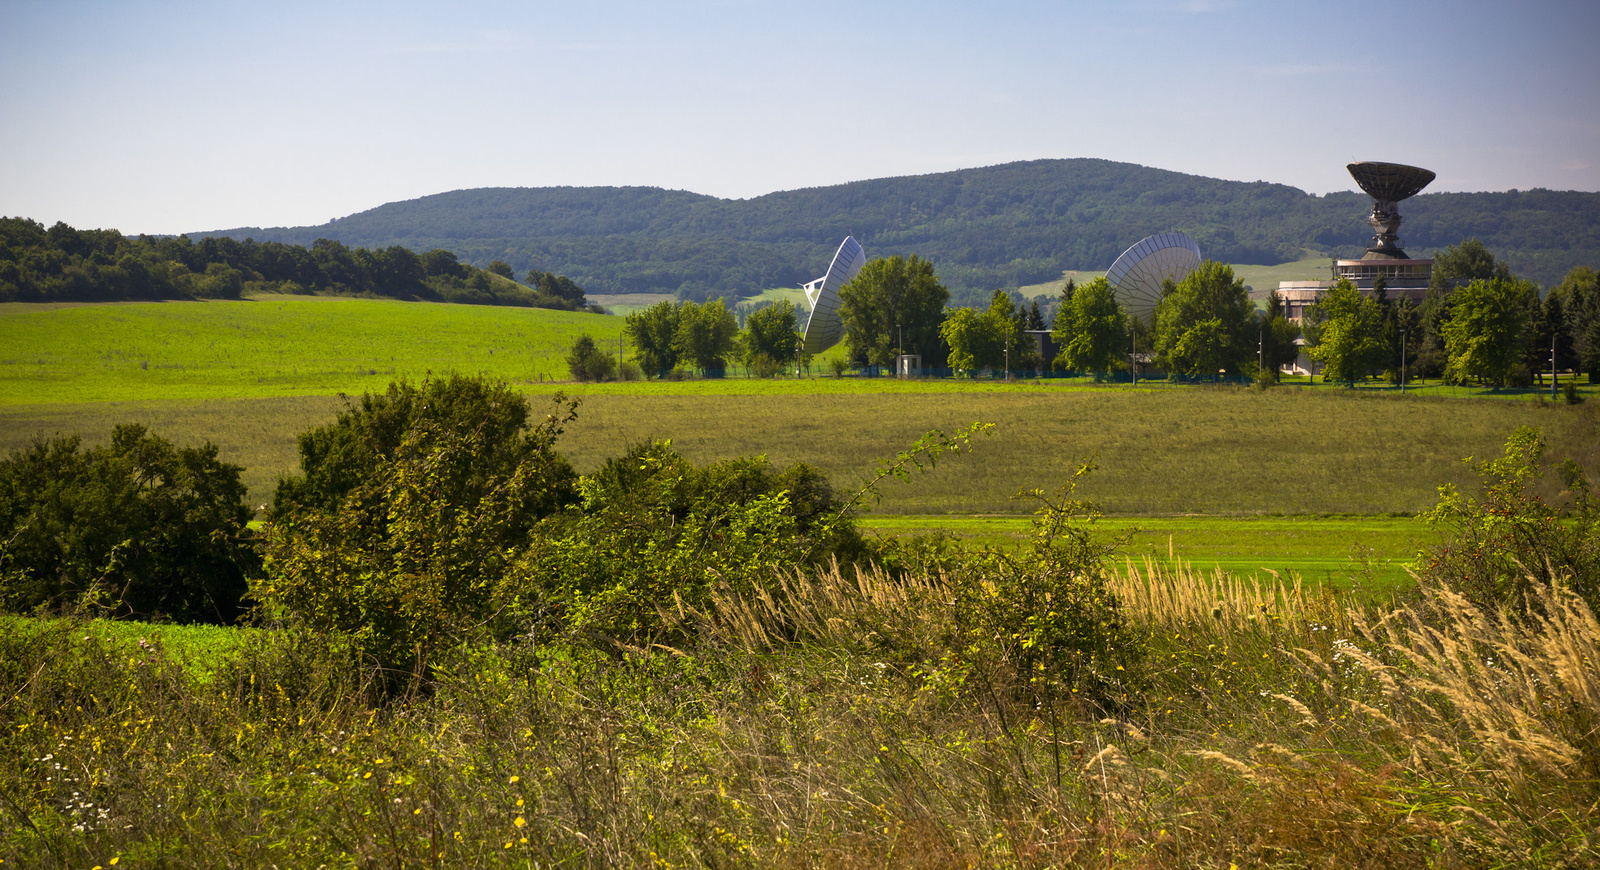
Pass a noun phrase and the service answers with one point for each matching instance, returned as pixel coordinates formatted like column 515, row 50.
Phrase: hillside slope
column 998, row 226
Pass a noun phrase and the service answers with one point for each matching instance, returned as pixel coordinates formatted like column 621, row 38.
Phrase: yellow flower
column 520, row 821
column 515, row 778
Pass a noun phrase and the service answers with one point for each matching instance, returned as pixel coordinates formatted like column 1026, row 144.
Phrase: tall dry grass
column 830, row 722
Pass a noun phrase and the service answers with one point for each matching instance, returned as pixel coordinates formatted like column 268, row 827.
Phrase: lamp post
column 1133, row 336
column 1552, row 365
column 1402, row 359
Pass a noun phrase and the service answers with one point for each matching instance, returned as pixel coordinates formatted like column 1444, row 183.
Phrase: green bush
column 1045, row 613
column 588, row 362
column 150, row 530
column 652, row 528
column 412, row 557
column 1510, row 537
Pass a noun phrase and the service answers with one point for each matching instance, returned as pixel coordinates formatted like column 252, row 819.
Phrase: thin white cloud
column 1575, row 165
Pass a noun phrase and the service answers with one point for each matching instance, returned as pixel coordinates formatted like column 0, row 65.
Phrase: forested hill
column 999, row 226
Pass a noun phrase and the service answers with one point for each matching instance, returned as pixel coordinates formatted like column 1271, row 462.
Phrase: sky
column 174, row 116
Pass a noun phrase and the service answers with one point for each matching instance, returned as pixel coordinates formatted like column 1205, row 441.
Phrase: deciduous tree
column 707, row 335
column 894, row 305
column 1091, row 331
column 1203, row 326
column 1488, row 329
column 1352, row 334
column 653, row 332
column 772, row 332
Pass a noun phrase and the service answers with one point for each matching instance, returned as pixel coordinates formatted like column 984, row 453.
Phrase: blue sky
column 177, row 116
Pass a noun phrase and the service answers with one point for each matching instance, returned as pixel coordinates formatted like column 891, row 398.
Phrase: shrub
column 588, row 362
column 337, row 458
column 629, row 371
column 763, row 366
column 1047, row 611
column 652, row 528
column 156, row 531
column 413, row 555
column 1510, row 538
column 838, row 366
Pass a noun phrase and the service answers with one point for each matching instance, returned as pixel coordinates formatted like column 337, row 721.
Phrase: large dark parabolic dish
column 1390, row 182
column 1387, row 184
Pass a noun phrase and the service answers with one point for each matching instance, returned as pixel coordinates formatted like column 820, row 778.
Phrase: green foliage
column 1488, row 330
column 708, row 333
column 588, row 362
column 772, row 332
column 653, row 332
column 1091, row 330
column 1460, row 264
column 345, row 455
column 976, row 339
column 64, row 264
column 413, row 506
column 1352, row 334
column 652, row 528
column 894, row 305
column 1047, row 611
column 1203, row 326
column 1510, row 538
column 1001, row 226
column 146, row 529
column 1278, row 338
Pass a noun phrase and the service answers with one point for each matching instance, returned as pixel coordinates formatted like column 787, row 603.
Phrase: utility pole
column 1133, row 358
column 1402, row 359
column 1552, row 365
column 1261, row 344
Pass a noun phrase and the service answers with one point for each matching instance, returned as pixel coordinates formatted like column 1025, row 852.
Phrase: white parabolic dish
column 1137, row 274
column 824, row 329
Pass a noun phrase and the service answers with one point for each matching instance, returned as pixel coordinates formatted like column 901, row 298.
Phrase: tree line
column 1477, row 323
column 63, row 264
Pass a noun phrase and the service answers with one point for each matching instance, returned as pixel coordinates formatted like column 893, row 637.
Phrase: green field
column 1366, row 554
column 250, row 376
column 273, row 346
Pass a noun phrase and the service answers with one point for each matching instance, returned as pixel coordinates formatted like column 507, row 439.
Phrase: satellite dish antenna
column 1388, row 184
column 824, row 329
column 1137, row 274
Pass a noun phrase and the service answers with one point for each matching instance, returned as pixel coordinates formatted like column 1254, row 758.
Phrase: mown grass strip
column 1366, row 553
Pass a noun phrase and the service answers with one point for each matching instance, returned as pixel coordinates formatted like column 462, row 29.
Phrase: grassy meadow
column 273, row 346
column 1229, row 472
column 1365, row 553
column 1197, row 451
column 1267, row 703
column 829, row 724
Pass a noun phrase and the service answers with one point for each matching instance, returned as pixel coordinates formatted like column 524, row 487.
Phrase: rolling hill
column 998, row 226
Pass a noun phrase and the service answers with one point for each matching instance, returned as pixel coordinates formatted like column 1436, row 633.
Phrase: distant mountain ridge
column 992, row 227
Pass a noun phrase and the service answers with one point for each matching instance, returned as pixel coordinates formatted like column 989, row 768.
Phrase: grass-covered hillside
column 1004, row 226
column 274, row 346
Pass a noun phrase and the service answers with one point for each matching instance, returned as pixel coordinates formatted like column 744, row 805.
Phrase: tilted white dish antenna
column 1137, row 274
column 824, row 329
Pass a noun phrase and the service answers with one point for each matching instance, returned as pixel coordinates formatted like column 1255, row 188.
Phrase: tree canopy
column 895, row 305
column 1488, row 329
column 1351, row 344
column 1091, row 330
column 143, row 527
column 64, row 264
column 1205, row 324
